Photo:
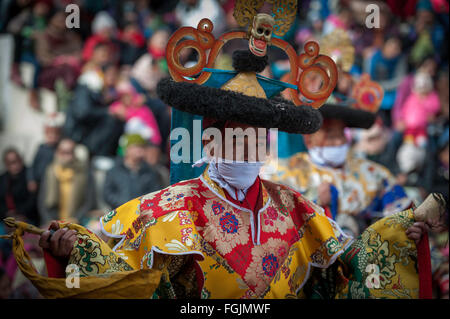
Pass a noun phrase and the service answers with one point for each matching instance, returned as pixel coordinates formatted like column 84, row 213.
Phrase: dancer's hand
column 60, row 243
column 416, row 231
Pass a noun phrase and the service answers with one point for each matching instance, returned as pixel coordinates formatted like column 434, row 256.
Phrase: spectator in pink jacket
column 137, row 115
column 420, row 109
column 428, row 65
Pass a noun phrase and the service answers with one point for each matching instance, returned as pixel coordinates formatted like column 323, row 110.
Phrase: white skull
column 261, row 34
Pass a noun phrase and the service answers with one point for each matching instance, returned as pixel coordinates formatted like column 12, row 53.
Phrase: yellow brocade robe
column 209, row 247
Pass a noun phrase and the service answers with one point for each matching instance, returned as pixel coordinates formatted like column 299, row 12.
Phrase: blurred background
column 82, row 130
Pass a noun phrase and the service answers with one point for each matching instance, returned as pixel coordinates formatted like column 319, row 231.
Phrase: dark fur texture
column 352, row 117
column 245, row 61
column 232, row 106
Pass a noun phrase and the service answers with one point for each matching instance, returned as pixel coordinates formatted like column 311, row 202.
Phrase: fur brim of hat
column 233, row 106
column 353, row 118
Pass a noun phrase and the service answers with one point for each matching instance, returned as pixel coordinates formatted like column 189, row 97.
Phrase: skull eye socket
column 259, row 31
column 267, row 33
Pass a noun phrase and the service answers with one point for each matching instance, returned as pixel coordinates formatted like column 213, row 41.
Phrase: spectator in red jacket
column 103, row 31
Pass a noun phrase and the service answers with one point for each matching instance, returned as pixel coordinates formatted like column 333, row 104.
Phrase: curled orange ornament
column 367, row 94
column 310, row 63
column 322, row 69
column 203, row 40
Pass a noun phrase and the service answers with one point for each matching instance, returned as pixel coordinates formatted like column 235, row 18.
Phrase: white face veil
column 235, row 177
column 334, row 156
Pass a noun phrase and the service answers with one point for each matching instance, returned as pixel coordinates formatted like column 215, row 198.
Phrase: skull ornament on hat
column 261, row 34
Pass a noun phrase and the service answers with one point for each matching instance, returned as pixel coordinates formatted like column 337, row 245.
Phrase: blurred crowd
column 108, row 141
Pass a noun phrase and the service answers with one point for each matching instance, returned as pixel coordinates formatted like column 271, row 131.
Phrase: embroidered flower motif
column 185, row 218
column 272, row 213
column 174, row 196
column 217, row 208
column 273, row 221
column 229, row 223
column 185, row 234
column 270, row 265
column 226, row 230
column 268, row 222
column 264, row 265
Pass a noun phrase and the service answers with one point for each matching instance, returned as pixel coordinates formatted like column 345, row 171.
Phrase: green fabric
column 384, row 252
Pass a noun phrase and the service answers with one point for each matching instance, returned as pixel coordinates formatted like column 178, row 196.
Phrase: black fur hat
column 221, row 104
column 352, row 117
